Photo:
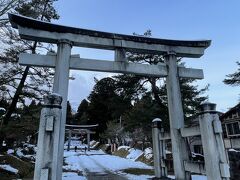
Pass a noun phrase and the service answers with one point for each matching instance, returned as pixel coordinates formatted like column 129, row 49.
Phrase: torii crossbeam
column 66, row 37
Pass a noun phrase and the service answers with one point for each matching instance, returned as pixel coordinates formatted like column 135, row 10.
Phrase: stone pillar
column 60, row 86
column 176, row 117
column 216, row 163
column 159, row 150
column 48, row 139
column 69, row 139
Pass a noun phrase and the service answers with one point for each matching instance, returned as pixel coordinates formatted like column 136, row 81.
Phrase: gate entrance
column 67, row 37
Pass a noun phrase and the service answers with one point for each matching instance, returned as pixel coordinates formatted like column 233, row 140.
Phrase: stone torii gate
column 66, row 37
column 80, row 129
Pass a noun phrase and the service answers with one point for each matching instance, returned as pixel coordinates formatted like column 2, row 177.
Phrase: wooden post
column 48, row 138
column 69, row 139
column 216, row 164
column 60, row 86
column 179, row 145
column 159, row 151
column 88, row 141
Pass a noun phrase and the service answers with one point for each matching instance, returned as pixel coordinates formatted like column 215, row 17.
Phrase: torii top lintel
column 31, row 29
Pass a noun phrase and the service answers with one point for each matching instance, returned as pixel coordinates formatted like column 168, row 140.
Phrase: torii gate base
column 48, row 159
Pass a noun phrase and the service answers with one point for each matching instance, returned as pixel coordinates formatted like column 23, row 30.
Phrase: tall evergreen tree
column 106, row 104
column 81, row 117
column 234, row 78
column 69, row 119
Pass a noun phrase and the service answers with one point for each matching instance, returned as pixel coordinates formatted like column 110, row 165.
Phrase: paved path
column 96, row 165
column 105, row 175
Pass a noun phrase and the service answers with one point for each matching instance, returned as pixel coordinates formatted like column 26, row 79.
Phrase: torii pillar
column 176, row 117
column 60, row 86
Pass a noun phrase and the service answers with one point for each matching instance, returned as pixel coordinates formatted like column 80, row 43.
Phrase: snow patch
column 92, row 142
column 168, row 152
column 194, row 177
column 148, row 153
column 138, row 177
column 233, row 150
column 72, row 176
column 8, row 168
column 19, row 153
column 123, row 147
column 134, row 154
column 10, row 151
column 2, row 109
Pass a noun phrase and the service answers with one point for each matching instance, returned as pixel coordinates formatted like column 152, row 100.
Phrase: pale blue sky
column 216, row 20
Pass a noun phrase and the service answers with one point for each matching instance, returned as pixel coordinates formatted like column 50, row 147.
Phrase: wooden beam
column 190, row 131
column 78, row 63
column 109, row 43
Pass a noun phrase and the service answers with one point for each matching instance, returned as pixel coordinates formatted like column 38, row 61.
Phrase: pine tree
column 234, row 78
column 81, row 117
column 69, row 119
column 106, row 103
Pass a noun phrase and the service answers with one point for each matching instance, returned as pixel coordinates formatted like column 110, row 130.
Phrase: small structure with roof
column 231, row 127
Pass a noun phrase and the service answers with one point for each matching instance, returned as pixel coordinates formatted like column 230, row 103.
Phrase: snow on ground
column 75, row 142
column 72, row 176
column 194, row 177
column 138, row 177
column 134, row 154
column 8, row 168
column 99, row 162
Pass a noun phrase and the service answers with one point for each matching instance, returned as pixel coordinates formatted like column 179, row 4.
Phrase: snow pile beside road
column 8, row 168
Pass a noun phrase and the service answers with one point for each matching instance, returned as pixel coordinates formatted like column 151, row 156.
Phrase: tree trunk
column 155, row 90
column 16, row 96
